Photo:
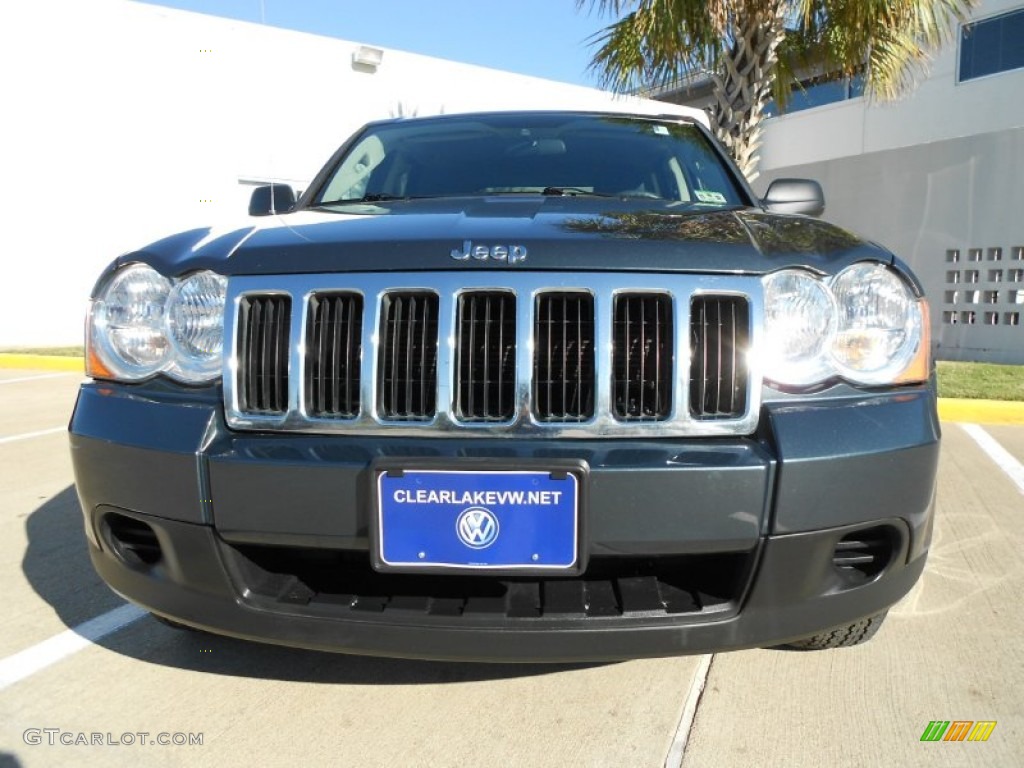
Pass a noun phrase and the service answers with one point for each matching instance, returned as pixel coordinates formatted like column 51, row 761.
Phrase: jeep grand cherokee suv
column 513, row 386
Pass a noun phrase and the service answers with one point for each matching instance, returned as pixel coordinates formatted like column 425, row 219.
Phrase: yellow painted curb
column 981, row 411
column 42, row 362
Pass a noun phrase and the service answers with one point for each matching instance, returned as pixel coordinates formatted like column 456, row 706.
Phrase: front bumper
column 694, row 545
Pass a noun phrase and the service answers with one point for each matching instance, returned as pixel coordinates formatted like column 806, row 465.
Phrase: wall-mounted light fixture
column 366, row 57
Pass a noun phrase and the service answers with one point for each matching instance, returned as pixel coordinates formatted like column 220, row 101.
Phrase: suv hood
column 559, row 233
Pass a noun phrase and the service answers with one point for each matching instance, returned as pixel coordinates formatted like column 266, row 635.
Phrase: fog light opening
column 863, row 554
column 133, row 541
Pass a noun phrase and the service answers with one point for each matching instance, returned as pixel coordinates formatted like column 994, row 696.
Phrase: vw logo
column 477, row 528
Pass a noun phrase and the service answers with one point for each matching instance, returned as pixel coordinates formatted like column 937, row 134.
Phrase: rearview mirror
column 795, row 196
column 273, row 198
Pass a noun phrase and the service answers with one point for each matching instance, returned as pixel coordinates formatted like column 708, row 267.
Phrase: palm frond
column 893, row 40
column 751, row 46
column 656, row 42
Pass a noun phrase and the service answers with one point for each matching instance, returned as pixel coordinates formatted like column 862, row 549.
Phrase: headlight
column 800, row 320
column 142, row 324
column 865, row 325
column 879, row 327
column 128, row 323
column 195, row 325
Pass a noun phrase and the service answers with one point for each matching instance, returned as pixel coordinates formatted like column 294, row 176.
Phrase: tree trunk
column 744, row 86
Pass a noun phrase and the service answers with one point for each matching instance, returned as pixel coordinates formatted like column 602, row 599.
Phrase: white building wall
column 126, row 122
column 938, row 109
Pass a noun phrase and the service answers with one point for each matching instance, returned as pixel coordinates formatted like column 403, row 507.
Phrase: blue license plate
column 507, row 520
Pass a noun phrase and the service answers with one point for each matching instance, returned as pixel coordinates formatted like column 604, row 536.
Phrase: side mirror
column 273, row 198
column 795, row 196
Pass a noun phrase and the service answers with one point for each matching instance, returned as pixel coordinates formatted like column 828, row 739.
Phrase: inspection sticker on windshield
column 706, row 196
column 477, row 519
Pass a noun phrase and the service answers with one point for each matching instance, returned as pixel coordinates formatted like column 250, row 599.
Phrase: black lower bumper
column 693, row 546
column 795, row 591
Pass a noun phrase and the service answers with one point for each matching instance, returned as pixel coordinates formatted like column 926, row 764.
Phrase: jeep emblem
column 513, row 254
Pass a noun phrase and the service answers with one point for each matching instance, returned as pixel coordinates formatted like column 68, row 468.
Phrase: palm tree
column 751, row 49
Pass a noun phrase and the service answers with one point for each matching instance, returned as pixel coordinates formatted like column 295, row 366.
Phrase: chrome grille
column 494, row 353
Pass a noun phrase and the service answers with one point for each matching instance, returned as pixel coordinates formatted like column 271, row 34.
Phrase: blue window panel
column 817, row 95
column 991, row 46
column 811, row 94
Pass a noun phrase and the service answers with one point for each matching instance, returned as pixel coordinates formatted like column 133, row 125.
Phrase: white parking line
column 49, row 652
column 674, row 759
column 28, row 435
column 20, row 379
column 1002, row 457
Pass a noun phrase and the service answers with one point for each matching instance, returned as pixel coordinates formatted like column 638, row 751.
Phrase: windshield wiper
column 374, row 198
column 571, row 192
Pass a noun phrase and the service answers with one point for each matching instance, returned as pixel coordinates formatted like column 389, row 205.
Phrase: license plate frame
column 420, row 533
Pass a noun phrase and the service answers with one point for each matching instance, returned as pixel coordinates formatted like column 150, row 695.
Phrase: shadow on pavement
column 57, row 563
column 58, row 568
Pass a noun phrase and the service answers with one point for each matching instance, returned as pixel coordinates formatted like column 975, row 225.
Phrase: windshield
column 536, row 154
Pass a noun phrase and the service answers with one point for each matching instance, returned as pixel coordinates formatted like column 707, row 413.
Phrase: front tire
column 841, row 637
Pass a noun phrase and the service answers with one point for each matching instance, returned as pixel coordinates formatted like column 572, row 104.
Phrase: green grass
column 56, row 351
column 981, row 381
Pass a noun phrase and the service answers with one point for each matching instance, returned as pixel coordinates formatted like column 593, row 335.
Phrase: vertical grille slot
column 719, row 340
column 264, row 325
column 563, row 362
column 486, row 367
column 642, row 357
column 333, row 354
column 407, row 388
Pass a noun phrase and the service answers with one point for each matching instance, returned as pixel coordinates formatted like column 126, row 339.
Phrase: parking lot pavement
column 1011, row 438
column 35, row 496
column 270, row 706
column 950, row 651
column 34, row 401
